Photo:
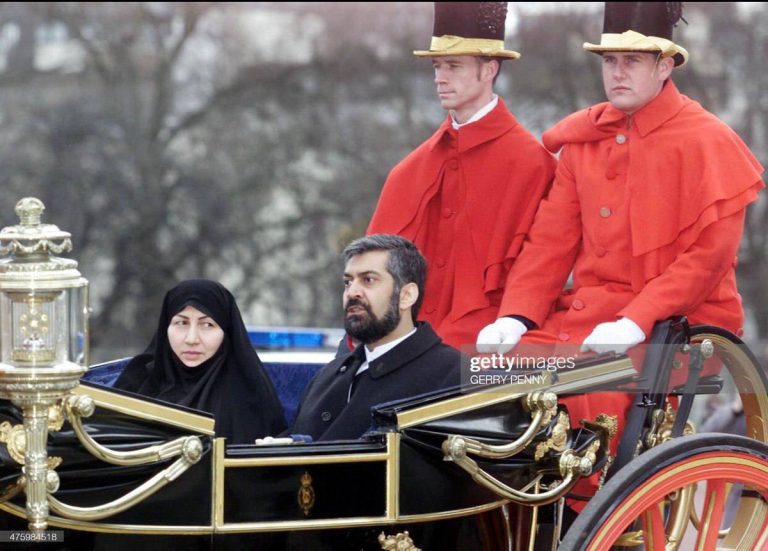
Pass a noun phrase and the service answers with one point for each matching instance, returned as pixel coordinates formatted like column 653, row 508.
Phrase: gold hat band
column 632, row 41
column 457, row 45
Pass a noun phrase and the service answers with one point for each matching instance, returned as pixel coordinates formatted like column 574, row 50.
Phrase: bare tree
column 249, row 142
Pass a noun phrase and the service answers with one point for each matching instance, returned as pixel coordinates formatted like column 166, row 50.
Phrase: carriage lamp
column 43, row 337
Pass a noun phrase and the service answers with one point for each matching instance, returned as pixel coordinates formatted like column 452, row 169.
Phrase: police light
column 295, row 338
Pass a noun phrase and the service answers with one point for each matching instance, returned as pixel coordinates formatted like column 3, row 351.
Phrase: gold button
column 620, row 139
column 605, row 212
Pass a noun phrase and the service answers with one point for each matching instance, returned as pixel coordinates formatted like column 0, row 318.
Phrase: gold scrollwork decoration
column 306, row 495
column 55, row 417
column 662, row 422
column 14, row 439
column 608, row 425
column 399, row 542
column 559, row 437
column 609, row 422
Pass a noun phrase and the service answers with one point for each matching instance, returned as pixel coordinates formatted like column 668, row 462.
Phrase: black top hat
column 641, row 27
column 469, row 28
column 648, row 18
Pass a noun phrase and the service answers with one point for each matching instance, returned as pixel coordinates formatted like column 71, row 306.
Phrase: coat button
column 578, row 305
column 600, row 252
column 430, row 309
column 440, row 262
column 621, row 139
column 447, row 213
column 325, row 416
column 563, row 336
column 453, row 164
column 605, row 212
column 343, row 369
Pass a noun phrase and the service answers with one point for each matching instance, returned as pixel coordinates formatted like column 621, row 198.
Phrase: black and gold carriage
column 469, row 468
column 487, row 469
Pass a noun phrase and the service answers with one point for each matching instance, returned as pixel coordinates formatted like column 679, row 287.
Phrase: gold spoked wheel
column 633, row 508
column 731, row 397
column 742, row 375
column 742, row 409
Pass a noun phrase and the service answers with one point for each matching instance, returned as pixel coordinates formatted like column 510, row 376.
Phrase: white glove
column 616, row 336
column 501, row 336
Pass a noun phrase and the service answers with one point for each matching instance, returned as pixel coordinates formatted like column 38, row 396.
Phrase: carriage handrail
column 572, row 467
column 79, row 407
column 192, row 450
column 543, row 405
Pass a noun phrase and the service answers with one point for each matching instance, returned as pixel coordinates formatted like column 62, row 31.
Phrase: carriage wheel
column 745, row 374
column 747, row 380
column 744, row 390
column 633, row 509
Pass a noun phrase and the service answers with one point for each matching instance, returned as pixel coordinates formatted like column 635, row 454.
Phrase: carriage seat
column 289, row 379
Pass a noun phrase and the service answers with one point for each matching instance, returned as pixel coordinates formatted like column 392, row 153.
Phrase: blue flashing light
column 288, row 338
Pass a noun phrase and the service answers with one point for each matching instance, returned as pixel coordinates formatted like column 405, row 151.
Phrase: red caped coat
column 466, row 198
column 648, row 212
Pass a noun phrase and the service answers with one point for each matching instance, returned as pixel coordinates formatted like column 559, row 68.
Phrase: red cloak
column 646, row 212
column 466, row 198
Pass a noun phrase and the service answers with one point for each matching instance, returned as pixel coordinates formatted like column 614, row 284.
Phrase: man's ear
column 665, row 66
column 409, row 294
column 491, row 69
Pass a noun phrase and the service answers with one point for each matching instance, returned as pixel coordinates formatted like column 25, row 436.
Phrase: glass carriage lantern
column 43, row 337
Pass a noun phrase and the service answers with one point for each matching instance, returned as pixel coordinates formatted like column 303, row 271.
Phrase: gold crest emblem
column 306, row 495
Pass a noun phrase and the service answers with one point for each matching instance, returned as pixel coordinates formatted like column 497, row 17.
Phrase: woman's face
column 194, row 336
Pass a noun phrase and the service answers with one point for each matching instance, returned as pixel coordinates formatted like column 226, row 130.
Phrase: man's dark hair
column 405, row 263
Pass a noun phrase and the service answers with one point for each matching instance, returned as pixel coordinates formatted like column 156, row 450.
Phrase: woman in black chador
column 201, row 358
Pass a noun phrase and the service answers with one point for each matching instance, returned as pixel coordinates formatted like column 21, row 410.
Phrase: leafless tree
column 249, row 142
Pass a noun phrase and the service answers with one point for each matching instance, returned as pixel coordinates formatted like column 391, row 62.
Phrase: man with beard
column 383, row 289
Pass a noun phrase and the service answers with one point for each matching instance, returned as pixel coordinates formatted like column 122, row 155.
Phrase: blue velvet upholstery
column 107, row 373
column 290, row 380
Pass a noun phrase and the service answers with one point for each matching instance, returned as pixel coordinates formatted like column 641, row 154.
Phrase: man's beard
column 368, row 328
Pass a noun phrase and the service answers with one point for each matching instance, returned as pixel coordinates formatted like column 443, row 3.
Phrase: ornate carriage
column 474, row 468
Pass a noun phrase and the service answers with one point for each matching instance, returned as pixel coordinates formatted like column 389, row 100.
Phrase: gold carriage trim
column 399, row 542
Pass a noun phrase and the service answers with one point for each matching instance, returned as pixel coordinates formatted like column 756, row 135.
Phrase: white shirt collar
column 490, row 106
column 372, row 355
column 383, row 349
